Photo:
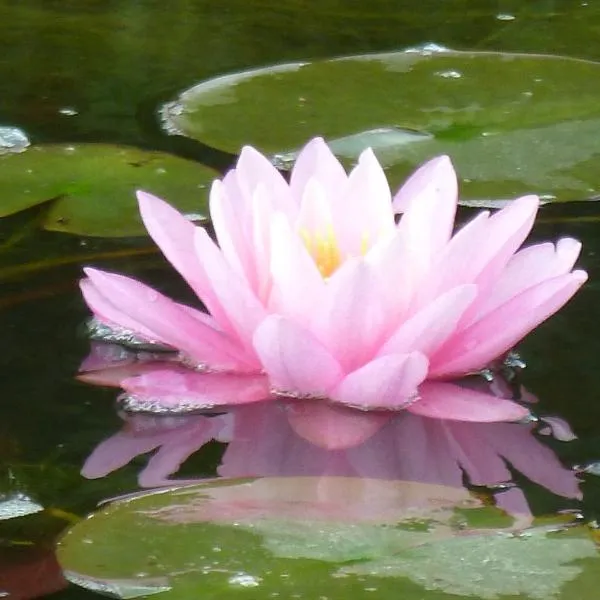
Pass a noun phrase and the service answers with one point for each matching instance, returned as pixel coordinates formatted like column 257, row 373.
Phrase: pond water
column 96, row 72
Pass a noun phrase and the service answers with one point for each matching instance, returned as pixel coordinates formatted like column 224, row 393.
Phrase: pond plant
column 319, row 291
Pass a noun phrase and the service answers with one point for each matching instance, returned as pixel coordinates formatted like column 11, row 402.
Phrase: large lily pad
column 94, row 185
column 512, row 123
column 319, row 537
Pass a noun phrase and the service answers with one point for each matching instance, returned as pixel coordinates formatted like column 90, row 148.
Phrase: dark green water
column 113, row 62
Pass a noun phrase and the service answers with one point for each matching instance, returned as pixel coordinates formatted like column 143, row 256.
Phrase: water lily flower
column 315, row 284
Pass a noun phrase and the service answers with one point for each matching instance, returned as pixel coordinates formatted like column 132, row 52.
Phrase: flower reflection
column 288, row 438
column 316, row 287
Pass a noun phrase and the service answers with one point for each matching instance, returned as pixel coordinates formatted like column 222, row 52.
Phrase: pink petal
column 106, row 356
column 315, row 216
column 316, row 161
column 429, row 199
column 481, row 249
column 297, row 285
column 241, row 307
column 254, row 169
column 365, row 212
column 492, row 336
column 449, row 401
column 349, row 319
column 260, row 241
column 429, row 328
column 388, row 382
column 108, row 313
column 389, row 258
column 506, row 231
column 174, row 235
column 171, row 323
column 419, row 180
column 230, row 230
column 333, row 427
column 172, row 387
column 114, row 376
column 457, row 263
column 527, row 268
column 295, row 361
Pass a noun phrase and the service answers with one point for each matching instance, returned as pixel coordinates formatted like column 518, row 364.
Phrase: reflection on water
column 300, row 438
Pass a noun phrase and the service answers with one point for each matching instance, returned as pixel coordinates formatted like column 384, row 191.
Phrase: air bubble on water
column 196, row 217
column 505, row 17
column 68, row 111
column 157, row 405
column 427, row 49
column 114, row 334
column 450, row 74
column 244, row 580
column 592, row 468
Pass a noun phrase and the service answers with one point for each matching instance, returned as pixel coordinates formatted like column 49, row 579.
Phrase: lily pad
column 94, row 185
column 316, row 537
column 512, row 123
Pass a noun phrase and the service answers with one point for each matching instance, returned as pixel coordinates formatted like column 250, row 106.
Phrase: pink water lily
column 315, row 284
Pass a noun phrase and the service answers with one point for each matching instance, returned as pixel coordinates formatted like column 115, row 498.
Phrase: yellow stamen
column 323, row 247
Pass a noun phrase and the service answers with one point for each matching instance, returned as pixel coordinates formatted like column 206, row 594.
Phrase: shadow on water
column 96, row 72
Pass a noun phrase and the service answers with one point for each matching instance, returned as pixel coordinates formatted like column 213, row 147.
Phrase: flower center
column 324, row 249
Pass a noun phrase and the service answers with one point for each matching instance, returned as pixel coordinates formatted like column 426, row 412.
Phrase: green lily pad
column 94, row 185
column 317, row 537
column 512, row 123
